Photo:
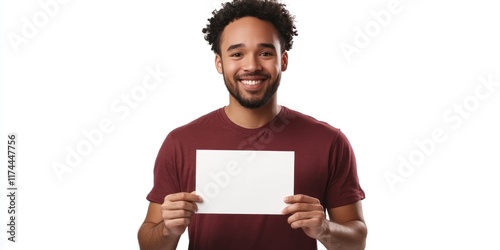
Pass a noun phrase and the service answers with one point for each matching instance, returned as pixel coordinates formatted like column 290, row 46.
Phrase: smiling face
column 251, row 61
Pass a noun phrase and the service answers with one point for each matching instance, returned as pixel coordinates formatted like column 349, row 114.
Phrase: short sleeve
column 166, row 179
column 343, row 185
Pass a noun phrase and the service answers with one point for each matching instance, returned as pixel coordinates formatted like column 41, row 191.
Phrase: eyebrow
column 241, row 45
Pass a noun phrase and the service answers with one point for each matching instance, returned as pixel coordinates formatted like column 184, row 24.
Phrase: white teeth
column 251, row 82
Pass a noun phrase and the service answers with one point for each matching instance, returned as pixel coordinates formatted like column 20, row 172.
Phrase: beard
column 251, row 103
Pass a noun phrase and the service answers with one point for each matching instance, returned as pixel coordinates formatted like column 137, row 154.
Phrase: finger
column 175, row 214
column 192, row 197
column 177, row 222
column 300, row 198
column 181, row 201
column 180, row 205
column 302, row 207
column 310, row 223
column 305, row 216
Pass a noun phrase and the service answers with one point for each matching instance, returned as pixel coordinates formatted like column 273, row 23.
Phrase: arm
column 153, row 233
column 346, row 228
column 165, row 223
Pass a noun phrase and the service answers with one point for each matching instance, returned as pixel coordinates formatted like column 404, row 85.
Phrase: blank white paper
column 244, row 181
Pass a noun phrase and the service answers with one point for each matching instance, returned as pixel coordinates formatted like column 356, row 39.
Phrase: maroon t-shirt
column 325, row 168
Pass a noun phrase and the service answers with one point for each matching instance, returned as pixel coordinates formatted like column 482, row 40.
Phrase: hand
column 177, row 210
column 307, row 213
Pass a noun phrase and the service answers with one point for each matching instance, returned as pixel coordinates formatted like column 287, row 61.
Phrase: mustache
column 254, row 74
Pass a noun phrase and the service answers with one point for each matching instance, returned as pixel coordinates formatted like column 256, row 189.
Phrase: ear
column 284, row 61
column 218, row 63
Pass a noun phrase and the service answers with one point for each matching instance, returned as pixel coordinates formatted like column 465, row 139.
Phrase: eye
column 266, row 53
column 235, row 55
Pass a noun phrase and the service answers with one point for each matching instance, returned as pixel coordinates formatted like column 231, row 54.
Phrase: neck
column 252, row 118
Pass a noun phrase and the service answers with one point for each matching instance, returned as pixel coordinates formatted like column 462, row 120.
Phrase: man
column 250, row 39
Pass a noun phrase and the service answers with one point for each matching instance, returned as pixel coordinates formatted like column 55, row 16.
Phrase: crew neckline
column 234, row 126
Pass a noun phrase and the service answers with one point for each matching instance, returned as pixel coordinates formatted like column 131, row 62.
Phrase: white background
column 87, row 54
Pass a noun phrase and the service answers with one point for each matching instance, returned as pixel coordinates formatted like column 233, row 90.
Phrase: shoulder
column 202, row 123
column 308, row 123
column 307, row 127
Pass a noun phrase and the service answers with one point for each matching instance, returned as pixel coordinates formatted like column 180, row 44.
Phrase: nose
column 252, row 64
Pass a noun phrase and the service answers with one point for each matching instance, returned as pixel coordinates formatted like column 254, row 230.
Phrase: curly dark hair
column 268, row 10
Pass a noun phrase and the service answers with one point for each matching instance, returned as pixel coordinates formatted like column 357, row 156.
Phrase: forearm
column 154, row 236
column 350, row 235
